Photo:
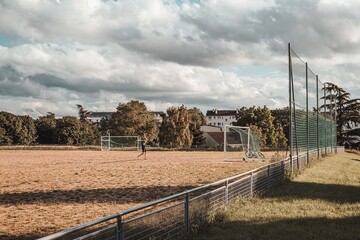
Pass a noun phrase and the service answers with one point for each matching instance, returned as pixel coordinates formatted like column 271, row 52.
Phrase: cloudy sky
column 202, row 53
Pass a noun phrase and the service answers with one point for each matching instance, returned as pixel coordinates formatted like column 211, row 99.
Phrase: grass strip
column 321, row 203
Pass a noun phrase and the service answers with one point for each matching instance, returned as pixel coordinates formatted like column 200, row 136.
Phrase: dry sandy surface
column 44, row 191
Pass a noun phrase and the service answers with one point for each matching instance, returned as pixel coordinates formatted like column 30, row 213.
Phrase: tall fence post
column 119, row 229
column 317, row 117
column 325, row 120
column 290, row 110
column 187, row 212
column 335, row 122
column 307, row 116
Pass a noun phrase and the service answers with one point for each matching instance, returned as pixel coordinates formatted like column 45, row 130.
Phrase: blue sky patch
column 5, row 40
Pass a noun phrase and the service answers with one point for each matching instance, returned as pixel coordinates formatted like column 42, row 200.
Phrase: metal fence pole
column 307, row 116
column 187, row 212
column 251, row 184
column 331, row 121
column 325, row 123
column 225, row 143
column 317, row 117
column 335, row 122
column 290, row 110
column 119, row 229
column 226, row 192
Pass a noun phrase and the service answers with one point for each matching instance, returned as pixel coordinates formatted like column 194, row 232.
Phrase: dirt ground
column 44, row 191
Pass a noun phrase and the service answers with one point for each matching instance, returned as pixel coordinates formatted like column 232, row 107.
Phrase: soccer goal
column 241, row 143
column 109, row 143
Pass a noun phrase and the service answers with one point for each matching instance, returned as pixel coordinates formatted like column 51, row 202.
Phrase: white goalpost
column 109, row 143
column 241, row 143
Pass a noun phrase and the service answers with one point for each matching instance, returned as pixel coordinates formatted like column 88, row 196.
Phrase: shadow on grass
column 304, row 228
column 114, row 195
column 356, row 159
column 328, row 192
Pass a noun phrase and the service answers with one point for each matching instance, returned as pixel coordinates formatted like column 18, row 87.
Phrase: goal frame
column 226, row 128
column 105, row 144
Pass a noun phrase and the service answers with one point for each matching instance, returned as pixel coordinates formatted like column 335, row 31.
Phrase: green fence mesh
column 313, row 125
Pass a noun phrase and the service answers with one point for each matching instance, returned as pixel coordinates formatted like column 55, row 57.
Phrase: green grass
column 321, row 203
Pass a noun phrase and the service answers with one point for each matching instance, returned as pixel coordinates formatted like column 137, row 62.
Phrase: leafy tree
column 104, row 125
column 281, row 119
column 18, row 129
column 133, row 119
column 72, row 131
column 264, row 121
column 46, row 129
column 175, row 128
column 28, row 133
column 10, row 124
column 83, row 114
column 3, row 137
column 281, row 138
column 197, row 119
column 347, row 111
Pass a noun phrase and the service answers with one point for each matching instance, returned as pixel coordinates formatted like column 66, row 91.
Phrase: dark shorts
column 143, row 148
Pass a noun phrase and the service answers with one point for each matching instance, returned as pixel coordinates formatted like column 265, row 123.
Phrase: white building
column 220, row 118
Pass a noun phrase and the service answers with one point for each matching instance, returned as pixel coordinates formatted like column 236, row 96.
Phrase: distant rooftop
column 216, row 112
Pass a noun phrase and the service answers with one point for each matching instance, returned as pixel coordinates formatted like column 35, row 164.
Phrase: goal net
column 120, row 143
column 241, row 143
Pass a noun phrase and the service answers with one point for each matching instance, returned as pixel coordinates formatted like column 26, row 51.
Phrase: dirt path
column 42, row 192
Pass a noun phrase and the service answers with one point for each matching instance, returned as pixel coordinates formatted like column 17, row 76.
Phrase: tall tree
column 3, row 141
column 46, row 129
column 197, row 119
column 28, row 133
column 264, row 121
column 133, row 119
column 83, row 114
column 347, row 111
column 72, row 131
column 18, row 129
column 175, row 128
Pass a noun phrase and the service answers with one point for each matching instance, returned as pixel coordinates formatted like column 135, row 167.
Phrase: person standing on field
column 143, row 147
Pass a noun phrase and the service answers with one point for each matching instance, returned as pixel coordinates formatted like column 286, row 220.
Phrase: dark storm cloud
column 14, row 84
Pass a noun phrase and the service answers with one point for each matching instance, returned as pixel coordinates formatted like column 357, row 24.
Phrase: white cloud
column 99, row 53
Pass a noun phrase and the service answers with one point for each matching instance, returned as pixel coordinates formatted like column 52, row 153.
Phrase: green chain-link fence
column 312, row 121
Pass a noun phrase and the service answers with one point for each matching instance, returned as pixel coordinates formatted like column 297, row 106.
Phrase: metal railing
column 176, row 216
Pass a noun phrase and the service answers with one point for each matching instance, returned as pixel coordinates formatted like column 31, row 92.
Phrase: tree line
column 180, row 126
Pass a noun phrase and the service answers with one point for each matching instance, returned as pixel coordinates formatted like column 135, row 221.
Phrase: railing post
column 119, row 229
column 268, row 177
column 187, row 212
column 251, row 184
column 226, row 192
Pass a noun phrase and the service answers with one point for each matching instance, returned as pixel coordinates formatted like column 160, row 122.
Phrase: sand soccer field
column 45, row 191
